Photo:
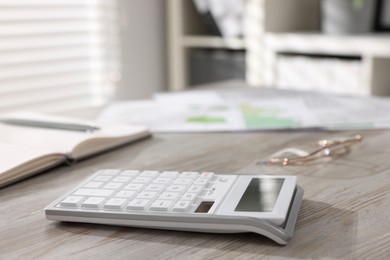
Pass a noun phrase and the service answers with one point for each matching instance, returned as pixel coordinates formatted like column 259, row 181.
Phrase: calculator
column 186, row 201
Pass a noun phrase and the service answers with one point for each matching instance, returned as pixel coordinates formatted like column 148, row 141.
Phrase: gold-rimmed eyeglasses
column 331, row 147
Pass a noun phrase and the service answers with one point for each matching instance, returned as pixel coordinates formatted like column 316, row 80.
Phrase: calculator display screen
column 260, row 195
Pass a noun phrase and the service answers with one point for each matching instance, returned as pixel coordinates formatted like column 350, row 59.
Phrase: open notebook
column 27, row 150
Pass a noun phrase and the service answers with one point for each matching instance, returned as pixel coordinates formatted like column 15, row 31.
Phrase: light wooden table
column 345, row 212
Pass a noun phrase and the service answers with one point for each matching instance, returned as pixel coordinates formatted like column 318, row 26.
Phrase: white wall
column 143, row 52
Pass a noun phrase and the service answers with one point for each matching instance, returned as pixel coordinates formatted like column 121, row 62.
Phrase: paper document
column 249, row 110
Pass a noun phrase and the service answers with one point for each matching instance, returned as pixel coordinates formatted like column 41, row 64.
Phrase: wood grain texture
column 344, row 214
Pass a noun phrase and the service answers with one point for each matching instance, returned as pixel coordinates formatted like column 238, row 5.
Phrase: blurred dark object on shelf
column 211, row 65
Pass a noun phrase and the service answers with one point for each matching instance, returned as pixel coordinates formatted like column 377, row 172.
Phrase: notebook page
column 46, row 140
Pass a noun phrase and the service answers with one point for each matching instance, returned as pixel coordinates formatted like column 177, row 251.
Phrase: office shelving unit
column 186, row 32
column 289, row 30
column 278, row 27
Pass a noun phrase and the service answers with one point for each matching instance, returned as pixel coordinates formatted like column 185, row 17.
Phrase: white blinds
column 57, row 54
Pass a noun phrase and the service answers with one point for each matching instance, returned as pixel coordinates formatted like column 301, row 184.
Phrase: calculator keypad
column 133, row 190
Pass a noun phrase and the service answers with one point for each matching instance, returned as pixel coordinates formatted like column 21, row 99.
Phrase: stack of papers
column 250, row 110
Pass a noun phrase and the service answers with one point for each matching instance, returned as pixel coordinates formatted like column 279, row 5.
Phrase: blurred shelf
column 358, row 45
column 276, row 28
column 213, row 42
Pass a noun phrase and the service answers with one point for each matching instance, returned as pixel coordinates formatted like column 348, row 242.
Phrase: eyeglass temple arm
column 325, row 144
column 345, row 141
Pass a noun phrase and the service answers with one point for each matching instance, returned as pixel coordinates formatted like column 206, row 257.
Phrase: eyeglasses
column 324, row 148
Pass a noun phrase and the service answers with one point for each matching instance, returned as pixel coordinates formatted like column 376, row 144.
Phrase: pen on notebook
column 51, row 125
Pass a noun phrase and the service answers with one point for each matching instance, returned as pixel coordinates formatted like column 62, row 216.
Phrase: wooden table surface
column 345, row 212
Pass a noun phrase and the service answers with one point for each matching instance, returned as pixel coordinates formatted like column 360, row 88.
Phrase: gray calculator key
column 71, row 201
column 115, row 203
column 93, row 192
column 92, row 202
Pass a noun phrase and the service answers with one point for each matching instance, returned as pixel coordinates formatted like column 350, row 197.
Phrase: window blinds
column 57, row 55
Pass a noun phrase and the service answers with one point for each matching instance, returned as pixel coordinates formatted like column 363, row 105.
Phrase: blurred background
column 58, row 55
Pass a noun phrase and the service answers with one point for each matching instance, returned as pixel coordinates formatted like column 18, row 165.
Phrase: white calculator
column 189, row 201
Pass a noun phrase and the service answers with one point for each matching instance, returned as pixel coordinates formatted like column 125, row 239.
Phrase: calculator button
column 115, row 203
column 223, row 179
column 121, row 179
column 113, row 185
column 162, row 180
column 183, row 181
column 147, row 195
column 161, row 205
column 201, row 182
column 169, row 174
column 149, row 174
column 134, row 186
column 154, row 187
column 195, row 189
column 71, row 201
column 102, row 178
column 129, row 173
column 93, row 184
column 189, row 196
column 93, row 192
column 207, row 175
column 110, row 172
column 176, row 188
column 138, row 204
column 129, row 194
column 181, row 206
column 192, row 175
column 144, row 180
column 92, row 202
column 169, row 196
column 216, row 191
